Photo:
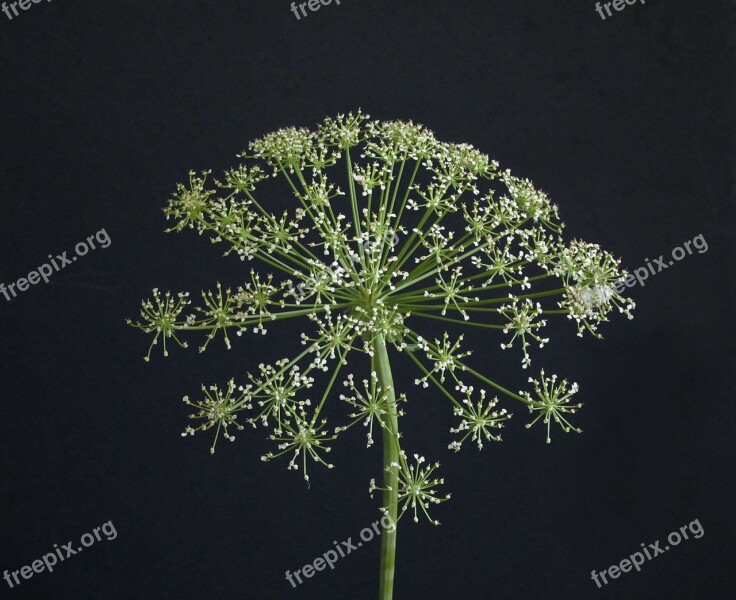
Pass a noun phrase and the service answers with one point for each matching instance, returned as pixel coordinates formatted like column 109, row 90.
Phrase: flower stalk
column 390, row 474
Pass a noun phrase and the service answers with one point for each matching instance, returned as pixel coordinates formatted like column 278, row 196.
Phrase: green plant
column 418, row 231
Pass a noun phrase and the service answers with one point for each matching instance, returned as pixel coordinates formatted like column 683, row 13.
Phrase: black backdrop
column 627, row 123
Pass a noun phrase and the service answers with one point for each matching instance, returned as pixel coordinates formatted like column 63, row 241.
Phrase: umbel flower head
column 389, row 231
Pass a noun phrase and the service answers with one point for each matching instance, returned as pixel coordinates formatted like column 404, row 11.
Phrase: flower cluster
column 416, row 486
column 372, row 405
column 552, row 402
column 478, row 420
column 391, row 229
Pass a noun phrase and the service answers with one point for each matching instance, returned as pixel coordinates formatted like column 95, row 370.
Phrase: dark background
column 627, row 123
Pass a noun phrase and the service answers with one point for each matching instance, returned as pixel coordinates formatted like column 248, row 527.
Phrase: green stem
column 391, row 473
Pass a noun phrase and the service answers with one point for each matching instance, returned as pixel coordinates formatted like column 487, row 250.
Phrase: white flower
column 389, row 228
